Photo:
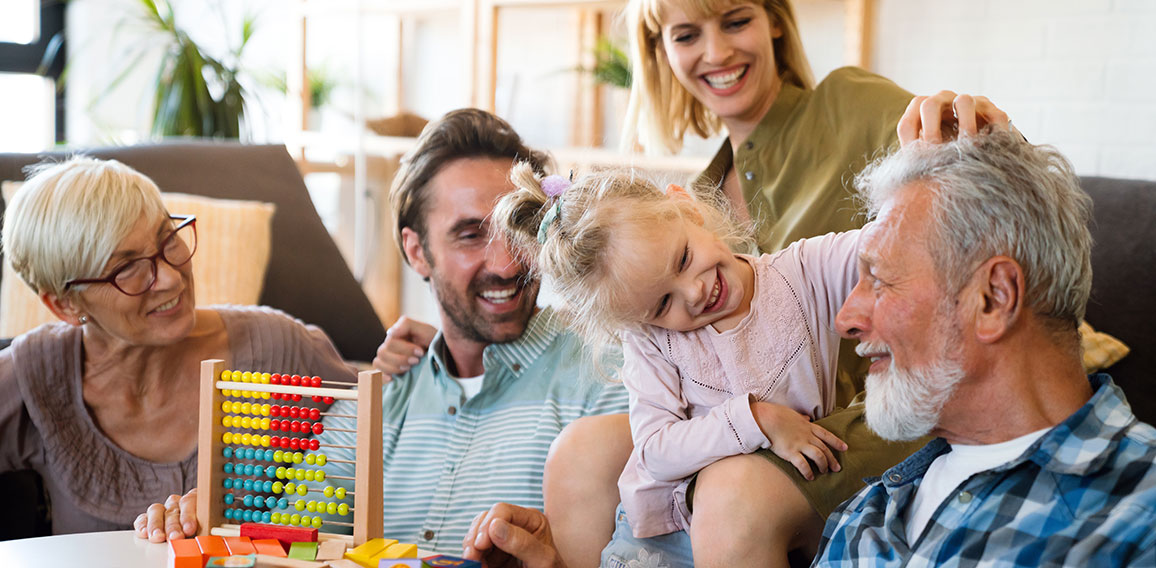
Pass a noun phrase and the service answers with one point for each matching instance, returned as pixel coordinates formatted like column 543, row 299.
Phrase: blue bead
column 247, row 515
column 271, row 471
column 283, row 503
column 246, row 453
column 228, row 483
column 270, row 502
column 247, row 484
column 267, row 487
column 266, row 517
column 229, row 497
column 248, row 500
column 227, row 452
column 228, row 467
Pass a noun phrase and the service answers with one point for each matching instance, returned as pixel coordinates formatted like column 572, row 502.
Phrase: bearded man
column 973, row 279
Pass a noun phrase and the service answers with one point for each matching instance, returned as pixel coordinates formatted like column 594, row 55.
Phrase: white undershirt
column 951, row 469
column 471, row 385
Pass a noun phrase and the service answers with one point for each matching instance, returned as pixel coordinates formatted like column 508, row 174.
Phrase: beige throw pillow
column 234, row 239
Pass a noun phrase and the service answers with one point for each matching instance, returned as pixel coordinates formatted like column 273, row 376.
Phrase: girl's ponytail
column 518, row 215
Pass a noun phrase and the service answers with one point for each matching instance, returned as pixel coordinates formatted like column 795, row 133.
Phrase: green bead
column 298, row 457
column 275, row 518
column 331, row 508
column 310, row 459
column 311, row 506
column 340, row 492
column 328, row 491
column 316, row 522
column 343, row 509
column 302, row 490
column 299, row 474
column 295, row 520
column 321, row 459
column 319, row 475
column 299, row 504
column 278, row 487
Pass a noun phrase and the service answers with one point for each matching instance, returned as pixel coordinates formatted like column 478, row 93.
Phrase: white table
column 117, row 549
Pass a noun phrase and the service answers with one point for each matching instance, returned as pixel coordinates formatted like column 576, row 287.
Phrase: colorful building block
column 269, row 547
column 332, row 549
column 287, row 535
column 238, row 561
column 184, row 553
column 303, row 550
column 239, row 545
column 399, row 563
column 400, row 550
column 443, row 560
column 211, row 546
column 364, row 554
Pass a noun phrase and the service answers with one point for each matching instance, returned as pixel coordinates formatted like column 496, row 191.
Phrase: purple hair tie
column 554, row 185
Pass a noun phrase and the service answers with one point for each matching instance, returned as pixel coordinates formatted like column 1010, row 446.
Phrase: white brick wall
column 1078, row 74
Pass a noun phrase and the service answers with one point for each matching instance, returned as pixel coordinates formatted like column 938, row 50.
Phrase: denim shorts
column 666, row 551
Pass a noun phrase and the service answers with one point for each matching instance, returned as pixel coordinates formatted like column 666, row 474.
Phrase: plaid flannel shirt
column 1084, row 494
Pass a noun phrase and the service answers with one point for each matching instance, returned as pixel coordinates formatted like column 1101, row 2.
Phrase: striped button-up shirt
column 447, row 459
column 1084, row 494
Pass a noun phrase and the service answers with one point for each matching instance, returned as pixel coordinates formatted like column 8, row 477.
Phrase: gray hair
column 996, row 194
column 66, row 221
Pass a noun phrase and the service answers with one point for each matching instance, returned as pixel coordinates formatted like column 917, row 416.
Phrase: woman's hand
column 796, row 439
column 943, row 116
column 174, row 520
column 405, row 343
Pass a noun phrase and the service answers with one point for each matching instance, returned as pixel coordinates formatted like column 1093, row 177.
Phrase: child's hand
column 795, row 438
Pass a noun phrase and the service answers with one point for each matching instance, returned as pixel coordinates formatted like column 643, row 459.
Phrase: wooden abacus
column 235, row 417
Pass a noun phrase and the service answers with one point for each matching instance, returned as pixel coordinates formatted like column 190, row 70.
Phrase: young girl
column 725, row 354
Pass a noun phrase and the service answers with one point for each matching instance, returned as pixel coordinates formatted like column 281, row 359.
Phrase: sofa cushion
column 233, row 242
column 307, row 276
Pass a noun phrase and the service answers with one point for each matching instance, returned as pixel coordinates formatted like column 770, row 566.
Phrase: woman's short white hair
column 66, row 221
column 996, row 194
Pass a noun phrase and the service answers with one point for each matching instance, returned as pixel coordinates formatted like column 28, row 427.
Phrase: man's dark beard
column 468, row 318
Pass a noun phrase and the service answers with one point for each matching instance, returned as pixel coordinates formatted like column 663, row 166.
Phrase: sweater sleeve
column 828, row 265
column 16, row 428
column 669, row 443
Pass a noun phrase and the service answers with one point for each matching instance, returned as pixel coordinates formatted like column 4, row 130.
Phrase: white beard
column 905, row 404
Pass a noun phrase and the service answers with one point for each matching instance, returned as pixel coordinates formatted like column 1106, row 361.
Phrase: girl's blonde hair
column 661, row 111
column 578, row 254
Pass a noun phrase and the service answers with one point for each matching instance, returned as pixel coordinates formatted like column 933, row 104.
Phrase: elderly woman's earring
column 83, row 320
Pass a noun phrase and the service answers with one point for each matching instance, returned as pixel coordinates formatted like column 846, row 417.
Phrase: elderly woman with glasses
column 103, row 403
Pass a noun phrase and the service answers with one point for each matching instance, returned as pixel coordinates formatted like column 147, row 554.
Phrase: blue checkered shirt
column 1084, row 494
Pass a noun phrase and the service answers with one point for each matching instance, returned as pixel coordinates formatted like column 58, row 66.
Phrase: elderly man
column 972, row 282
column 470, row 423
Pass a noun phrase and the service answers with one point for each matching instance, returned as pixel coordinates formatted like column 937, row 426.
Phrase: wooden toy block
column 211, row 546
column 343, row 563
column 364, row 554
column 235, row 561
column 303, row 550
column 269, row 547
column 399, row 550
column 399, row 563
column 287, row 535
column 184, row 553
column 443, row 560
column 239, row 545
column 331, row 550
column 282, row 562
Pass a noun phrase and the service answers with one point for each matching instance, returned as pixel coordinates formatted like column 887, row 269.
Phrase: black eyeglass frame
column 185, row 221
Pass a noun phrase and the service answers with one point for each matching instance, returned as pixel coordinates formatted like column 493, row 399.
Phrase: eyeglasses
column 136, row 276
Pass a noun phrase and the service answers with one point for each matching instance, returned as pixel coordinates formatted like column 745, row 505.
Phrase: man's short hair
column 996, row 194
column 462, row 133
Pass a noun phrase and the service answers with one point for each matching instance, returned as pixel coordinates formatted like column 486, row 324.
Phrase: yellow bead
column 311, row 506
column 299, row 504
column 317, row 522
column 265, row 423
column 328, row 491
column 321, row 459
column 302, row 490
column 266, row 378
column 246, row 377
column 265, row 441
column 235, row 393
column 331, row 508
column 298, row 457
column 319, row 475
column 310, row 459
column 226, row 375
column 309, row 475
column 236, row 376
column 227, row 437
column 227, row 422
column 275, row 518
column 246, row 408
column 246, row 422
column 343, row 509
column 265, row 408
column 265, row 395
column 340, row 494
column 290, row 487
column 245, row 439
column 295, row 520
column 278, row 487
column 236, row 407
column 299, row 475
column 226, row 406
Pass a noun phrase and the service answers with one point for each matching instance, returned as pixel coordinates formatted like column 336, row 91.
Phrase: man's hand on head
column 510, row 536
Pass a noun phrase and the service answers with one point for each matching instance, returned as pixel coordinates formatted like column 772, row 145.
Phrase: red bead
column 275, row 411
column 275, row 441
column 294, row 412
column 306, row 426
column 315, row 398
column 314, row 444
column 318, row 428
column 327, row 400
column 274, row 424
column 314, row 414
column 276, row 395
column 294, row 444
column 296, row 398
column 286, row 411
column 295, row 380
column 315, row 381
column 275, row 379
column 295, row 426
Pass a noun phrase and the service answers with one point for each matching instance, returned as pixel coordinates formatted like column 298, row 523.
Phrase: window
column 31, row 62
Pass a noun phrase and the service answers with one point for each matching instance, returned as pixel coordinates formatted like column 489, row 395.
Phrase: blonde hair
column 578, row 254
column 661, row 111
column 66, row 221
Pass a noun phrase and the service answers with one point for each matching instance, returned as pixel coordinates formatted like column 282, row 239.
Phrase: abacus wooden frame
column 367, row 485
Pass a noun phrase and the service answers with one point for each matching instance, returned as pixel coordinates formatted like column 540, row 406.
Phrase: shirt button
column 965, row 497
column 750, row 176
column 750, row 145
column 428, row 535
column 452, row 410
column 895, row 478
column 516, row 367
